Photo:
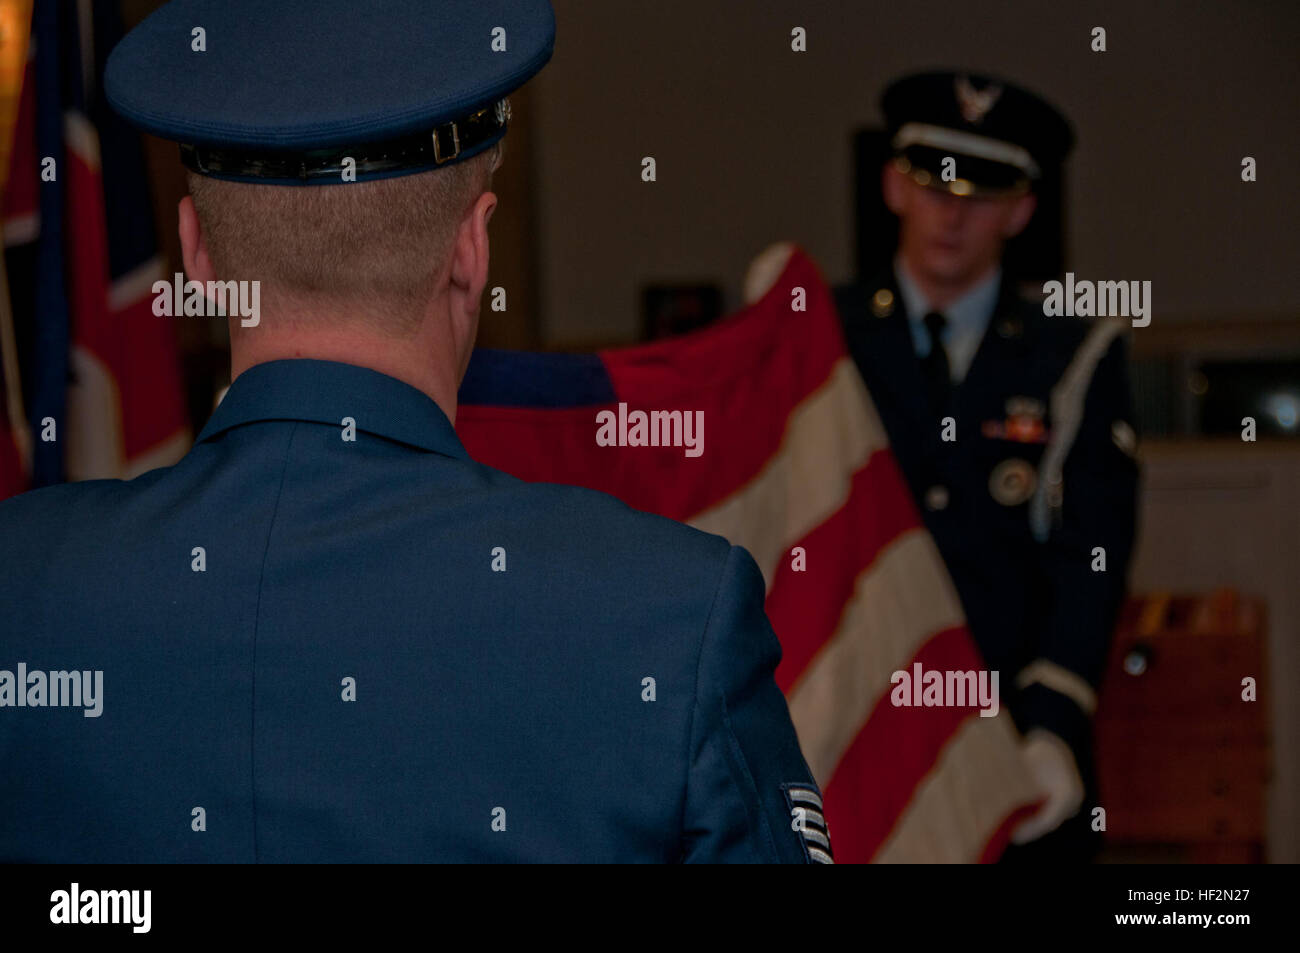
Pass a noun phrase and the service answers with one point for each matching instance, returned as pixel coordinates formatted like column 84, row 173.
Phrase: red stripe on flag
column 12, row 478
column 1002, row 836
column 743, row 429
column 543, row 445
column 893, row 753
column 747, row 374
column 802, row 346
column 148, row 376
column 137, row 347
column 806, row 607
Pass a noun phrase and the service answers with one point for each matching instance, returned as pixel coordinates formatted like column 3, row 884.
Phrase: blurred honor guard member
column 1012, row 428
column 327, row 634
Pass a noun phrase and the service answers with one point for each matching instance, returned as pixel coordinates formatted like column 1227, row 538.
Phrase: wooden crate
column 1182, row 759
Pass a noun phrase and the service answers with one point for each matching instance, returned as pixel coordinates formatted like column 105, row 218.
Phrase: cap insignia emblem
column 975, row 103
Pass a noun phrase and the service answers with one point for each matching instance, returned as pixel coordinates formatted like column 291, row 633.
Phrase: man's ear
column 1021, row 212
column 469, row 254
column 194, row 249
column 469, row 272
column 893, row 185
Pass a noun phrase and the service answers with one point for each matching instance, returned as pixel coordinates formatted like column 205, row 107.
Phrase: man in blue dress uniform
column 1013, row 429
column 327, row 634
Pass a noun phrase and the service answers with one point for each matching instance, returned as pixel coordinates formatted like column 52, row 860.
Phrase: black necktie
column 934, row 366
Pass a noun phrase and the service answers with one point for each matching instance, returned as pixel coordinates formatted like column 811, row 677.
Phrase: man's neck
column 428, row 365
column 940, row 294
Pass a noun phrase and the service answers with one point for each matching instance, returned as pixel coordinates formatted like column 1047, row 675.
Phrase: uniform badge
column 808, row 821
column 1012, row 481
column 882, row 303
column 1023, row 423
column 1022, row 406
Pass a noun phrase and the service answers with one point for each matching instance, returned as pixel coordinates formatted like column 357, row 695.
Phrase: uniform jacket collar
column 970, row 312
column 1011, row 328
column 325, row 392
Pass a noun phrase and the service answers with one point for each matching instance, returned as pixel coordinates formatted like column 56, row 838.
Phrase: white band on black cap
column 966, row 143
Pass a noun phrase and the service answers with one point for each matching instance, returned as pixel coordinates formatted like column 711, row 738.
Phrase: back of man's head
column 371, row 251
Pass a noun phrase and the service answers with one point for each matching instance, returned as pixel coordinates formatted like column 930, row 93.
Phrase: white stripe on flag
column 980, row 778
column 94, row 442
column 79, row 136
column 22, row 229
column 163, row 454
column 135, row 284
column 829, row 436
column 898, row 603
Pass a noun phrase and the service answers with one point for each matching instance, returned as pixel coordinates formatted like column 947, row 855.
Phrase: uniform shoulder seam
column 257, row 618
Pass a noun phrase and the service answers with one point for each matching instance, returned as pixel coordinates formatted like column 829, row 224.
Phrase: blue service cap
column 282, row 91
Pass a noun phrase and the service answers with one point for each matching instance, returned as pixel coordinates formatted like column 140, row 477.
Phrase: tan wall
column 752, row 141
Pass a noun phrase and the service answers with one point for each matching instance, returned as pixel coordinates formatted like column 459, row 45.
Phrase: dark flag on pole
column 101, row 373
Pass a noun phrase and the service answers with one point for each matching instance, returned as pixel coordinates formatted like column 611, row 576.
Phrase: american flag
column 81, row 259
column 796, row 468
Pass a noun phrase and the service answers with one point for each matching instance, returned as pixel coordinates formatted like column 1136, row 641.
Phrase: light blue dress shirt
column 968, row 317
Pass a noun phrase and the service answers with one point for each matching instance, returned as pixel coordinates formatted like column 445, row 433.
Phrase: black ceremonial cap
column 1002, row 137
column 282, row 91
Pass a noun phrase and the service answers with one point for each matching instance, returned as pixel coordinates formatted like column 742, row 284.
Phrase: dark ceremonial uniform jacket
column 1042, row 471
column 498, row 716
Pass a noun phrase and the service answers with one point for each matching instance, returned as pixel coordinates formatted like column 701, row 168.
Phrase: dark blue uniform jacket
column 1038, row 607
column 310, row 652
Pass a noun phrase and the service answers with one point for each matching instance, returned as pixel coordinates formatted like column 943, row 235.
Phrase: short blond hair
column 375, row 248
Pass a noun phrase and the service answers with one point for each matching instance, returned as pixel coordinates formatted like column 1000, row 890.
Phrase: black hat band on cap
column 446, row 143
column 977, row 177
column 966, row 143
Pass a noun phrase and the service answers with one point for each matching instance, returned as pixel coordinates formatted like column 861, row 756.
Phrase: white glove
column 1051, row 763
